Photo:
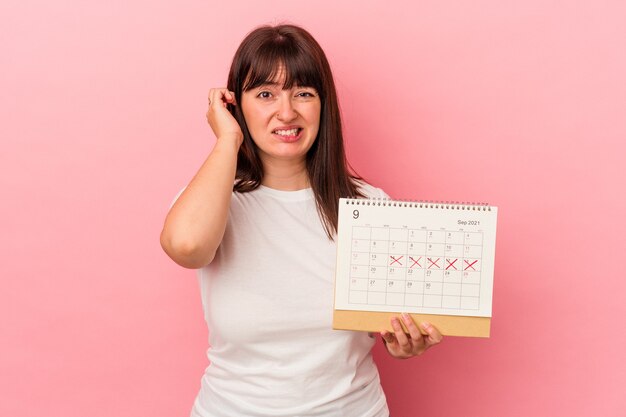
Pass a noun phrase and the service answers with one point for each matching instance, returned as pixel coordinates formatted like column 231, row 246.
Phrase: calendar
column 415, row 257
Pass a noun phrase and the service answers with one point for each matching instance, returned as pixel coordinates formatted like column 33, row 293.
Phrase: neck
column 285, row 175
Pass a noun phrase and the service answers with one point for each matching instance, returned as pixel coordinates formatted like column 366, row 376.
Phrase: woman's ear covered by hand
column 221, row 121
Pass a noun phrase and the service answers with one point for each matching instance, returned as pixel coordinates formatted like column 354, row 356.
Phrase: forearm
column 195, row 224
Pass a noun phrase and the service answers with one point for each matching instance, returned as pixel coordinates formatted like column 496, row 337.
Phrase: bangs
column 281, row 62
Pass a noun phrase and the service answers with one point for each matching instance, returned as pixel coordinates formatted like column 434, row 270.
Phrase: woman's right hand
column 221, row 121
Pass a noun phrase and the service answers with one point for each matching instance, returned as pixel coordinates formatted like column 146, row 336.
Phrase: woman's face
column 282, row 122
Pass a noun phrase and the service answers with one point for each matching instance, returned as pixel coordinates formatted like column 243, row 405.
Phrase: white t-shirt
column 268, row 302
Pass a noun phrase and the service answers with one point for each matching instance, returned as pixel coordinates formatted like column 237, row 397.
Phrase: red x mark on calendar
column 395, row 260
column 451, row 264
column 415, row 262
column 433, row 263
column 470, row 265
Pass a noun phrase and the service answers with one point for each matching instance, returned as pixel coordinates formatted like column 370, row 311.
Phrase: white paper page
column 432, row 260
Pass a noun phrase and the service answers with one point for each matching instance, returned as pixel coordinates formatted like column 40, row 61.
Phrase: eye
column 305, row 94
column 264, row 94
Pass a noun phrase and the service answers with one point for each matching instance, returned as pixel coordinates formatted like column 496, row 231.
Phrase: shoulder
column 369, row 190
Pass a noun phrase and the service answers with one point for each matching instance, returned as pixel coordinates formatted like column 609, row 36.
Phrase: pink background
column 521, row 104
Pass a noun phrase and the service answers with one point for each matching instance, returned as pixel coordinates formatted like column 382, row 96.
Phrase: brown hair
column 257, row 61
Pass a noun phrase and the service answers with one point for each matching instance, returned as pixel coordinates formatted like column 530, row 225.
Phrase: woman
column 264, row 246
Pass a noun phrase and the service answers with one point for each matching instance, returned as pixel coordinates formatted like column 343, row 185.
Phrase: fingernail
column 426, row 325
column 406, row 317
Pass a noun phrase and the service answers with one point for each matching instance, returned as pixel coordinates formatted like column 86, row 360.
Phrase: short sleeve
column 176, row 197
column 372, row 192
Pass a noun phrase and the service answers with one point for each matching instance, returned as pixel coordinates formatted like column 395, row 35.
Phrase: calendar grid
column 436, row 269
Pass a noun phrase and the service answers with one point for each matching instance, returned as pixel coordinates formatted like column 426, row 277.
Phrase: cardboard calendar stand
column 374, row 321
column 434, row 261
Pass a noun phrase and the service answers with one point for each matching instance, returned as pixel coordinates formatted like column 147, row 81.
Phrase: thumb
column 386, row 336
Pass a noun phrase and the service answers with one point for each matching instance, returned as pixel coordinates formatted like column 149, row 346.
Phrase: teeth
column 289, row 132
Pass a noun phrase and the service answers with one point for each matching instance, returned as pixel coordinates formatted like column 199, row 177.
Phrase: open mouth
column 288, row 133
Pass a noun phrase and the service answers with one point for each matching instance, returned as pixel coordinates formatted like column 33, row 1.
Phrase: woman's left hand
column 401, row 345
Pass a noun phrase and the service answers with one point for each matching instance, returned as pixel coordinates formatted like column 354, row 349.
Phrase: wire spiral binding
column 448, row 205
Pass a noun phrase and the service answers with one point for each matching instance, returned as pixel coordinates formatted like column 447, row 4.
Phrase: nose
column 286, row 110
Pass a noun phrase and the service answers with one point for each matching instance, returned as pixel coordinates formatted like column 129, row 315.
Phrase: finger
column 212, row 96
column 414, row 331
column 230, row 97
column 387, row 337
column 221, row 96
column 401, row 337
column 433, row 335
column 215, row 97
